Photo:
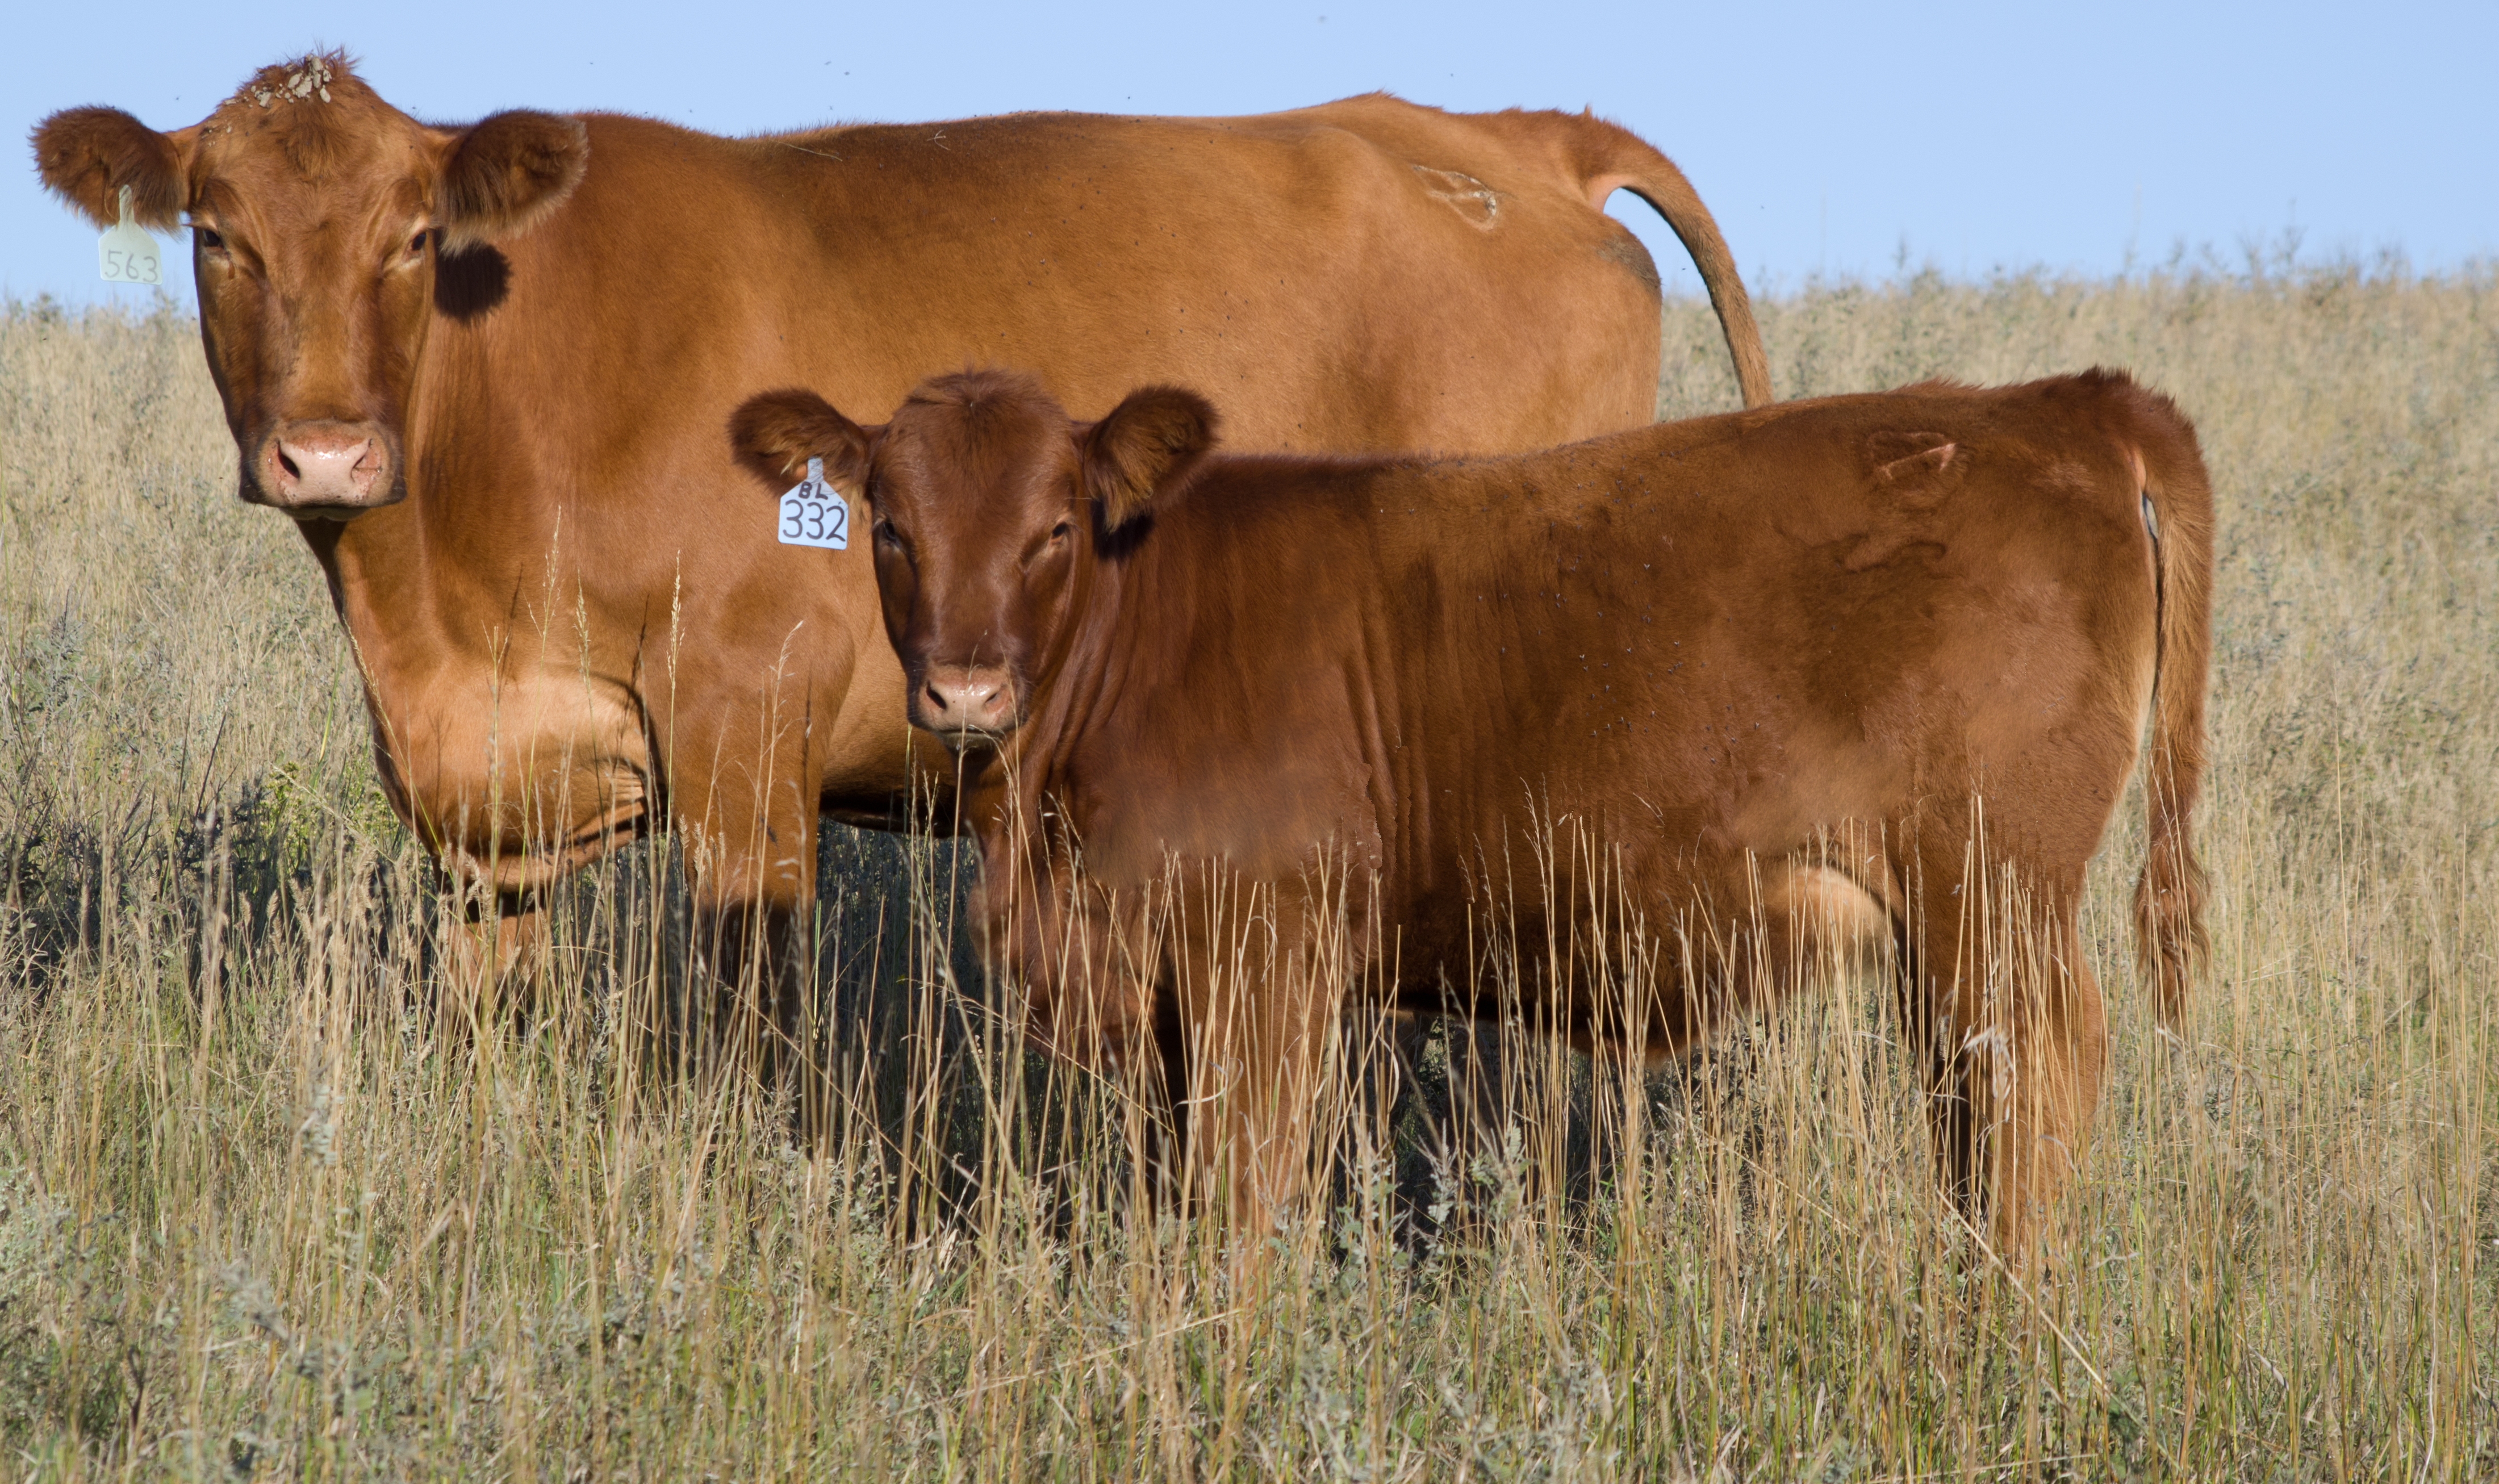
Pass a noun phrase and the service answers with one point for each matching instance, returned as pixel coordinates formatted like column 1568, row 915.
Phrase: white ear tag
column 813, row 513
column 126, row 253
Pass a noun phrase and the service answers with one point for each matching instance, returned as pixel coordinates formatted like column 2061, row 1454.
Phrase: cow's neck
column 474, row 548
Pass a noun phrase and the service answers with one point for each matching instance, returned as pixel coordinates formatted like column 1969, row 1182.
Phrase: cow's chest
column 515, row 774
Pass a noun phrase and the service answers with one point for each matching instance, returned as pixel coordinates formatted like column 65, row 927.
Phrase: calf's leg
column 1261, row 999
column 2013, row 1036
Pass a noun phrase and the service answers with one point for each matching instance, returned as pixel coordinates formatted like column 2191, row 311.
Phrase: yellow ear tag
column 813, row 513
column 127, row 254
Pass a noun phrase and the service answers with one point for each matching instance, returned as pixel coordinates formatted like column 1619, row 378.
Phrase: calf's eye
column 211, row 239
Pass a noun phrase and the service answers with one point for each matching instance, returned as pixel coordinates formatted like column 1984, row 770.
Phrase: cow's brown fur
column 489, row 367
column 1735, row 691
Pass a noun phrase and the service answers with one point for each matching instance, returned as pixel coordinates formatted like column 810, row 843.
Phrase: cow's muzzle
column 326, row 471
column 966, row 705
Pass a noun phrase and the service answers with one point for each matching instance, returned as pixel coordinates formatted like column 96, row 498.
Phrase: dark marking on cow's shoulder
column 1623, row 248
column 471, row 282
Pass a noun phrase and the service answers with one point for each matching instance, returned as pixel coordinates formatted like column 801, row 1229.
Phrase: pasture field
column 262, row 1214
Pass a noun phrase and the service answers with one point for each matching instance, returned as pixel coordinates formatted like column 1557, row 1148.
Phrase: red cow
column 486, row 368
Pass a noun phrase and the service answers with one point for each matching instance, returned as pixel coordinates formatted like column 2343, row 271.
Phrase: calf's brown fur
column 1768, row 684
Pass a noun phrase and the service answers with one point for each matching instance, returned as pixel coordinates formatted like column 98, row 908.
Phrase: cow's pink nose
column 326, row 467
column 967, row 701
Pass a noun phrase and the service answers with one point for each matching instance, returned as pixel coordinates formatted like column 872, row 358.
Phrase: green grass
column 260, row 1215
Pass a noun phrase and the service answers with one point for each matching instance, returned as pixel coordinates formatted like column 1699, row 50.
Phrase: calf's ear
column 505, row 173
column 777, row 433
column 85, row 156
column 1145, row 450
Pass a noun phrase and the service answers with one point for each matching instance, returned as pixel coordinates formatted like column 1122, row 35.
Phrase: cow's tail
column 2177, row 503
column 1613, row 158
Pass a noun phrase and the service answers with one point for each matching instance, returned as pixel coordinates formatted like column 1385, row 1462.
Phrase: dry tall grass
column 257, row 1217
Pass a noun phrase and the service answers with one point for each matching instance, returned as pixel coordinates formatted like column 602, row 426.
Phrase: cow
column 485, row 369
column 1732, row 695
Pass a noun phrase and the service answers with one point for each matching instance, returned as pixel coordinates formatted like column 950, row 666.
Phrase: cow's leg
column 752, row 919
column 2008, row 1019
column 493, row 951
column 1486, row 1104
column 1380, row 1048
column 495, row 948
column 748, row 817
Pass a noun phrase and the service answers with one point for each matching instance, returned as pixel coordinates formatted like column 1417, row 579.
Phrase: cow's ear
column 1145, row 450
column 505, row 173
column 86, row 155
column 777, row 433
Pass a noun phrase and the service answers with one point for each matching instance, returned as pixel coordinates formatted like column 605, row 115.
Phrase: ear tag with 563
column 126, row 253
column 813, row 513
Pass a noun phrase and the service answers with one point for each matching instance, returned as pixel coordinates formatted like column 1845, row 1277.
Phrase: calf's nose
column 958, row 699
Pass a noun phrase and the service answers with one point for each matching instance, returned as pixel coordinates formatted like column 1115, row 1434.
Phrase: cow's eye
column 1061, row 532
column 416, row 244
column 211, row 240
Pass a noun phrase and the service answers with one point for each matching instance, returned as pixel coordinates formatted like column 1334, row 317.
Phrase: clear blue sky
column 1824, row 137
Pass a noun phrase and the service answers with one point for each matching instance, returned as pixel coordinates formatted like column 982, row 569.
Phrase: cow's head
column 990, row 508
column 320, row 216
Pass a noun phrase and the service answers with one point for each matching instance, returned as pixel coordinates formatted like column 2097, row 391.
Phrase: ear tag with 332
column 813, row 513
column 126, row 253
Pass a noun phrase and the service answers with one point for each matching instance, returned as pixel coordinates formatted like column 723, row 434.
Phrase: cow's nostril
column 288, row 463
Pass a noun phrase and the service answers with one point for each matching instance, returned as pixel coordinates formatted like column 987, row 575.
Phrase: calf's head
column 990, row 509
column 320, row 218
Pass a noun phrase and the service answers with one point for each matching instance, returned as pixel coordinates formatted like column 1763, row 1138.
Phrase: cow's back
column 1105, row 252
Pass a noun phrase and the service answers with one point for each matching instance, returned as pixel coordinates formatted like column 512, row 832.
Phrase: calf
column 1725, row 694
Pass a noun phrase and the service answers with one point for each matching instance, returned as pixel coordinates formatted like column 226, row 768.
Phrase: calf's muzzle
column 968, row 705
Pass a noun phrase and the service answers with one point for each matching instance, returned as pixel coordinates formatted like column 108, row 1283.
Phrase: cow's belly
column 515, row 779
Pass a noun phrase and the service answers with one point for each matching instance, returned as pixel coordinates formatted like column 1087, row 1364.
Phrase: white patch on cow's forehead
column 307, row 78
